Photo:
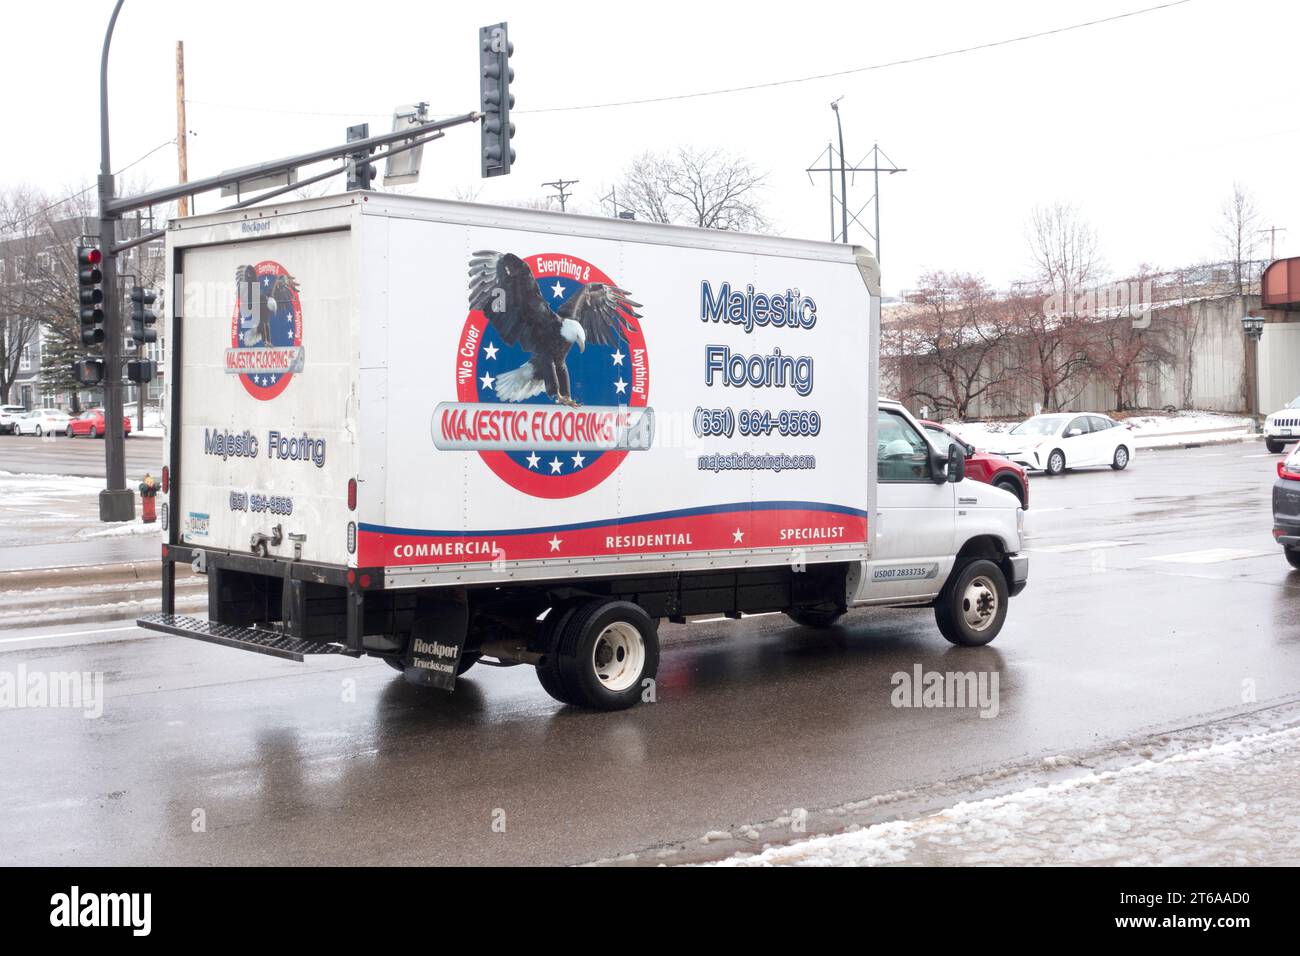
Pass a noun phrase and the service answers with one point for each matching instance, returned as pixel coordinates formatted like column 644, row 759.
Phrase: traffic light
column 90, row 295
column 361, row 171
column 89, row 371
column 495, row 99
column 142, row 317
column 141, row 371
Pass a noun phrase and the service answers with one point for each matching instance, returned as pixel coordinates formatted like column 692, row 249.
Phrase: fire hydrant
column 148, row 491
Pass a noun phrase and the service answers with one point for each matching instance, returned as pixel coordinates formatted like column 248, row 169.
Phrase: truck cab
column 938, row 537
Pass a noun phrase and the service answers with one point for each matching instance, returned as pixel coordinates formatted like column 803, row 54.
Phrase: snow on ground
column 1150, row 431
column 46, row 509
column 1234, row 803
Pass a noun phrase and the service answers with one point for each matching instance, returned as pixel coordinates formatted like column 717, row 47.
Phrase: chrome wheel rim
column 979, row 603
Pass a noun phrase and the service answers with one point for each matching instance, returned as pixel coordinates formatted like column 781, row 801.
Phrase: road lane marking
column 51, row 637
column 1209, row 556
column 1079, row 546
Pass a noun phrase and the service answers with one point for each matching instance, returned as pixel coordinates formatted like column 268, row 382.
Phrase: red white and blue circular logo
column 600, row 373
column 265, row 330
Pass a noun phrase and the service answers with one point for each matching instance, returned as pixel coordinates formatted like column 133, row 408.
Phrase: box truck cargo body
column 438, row 432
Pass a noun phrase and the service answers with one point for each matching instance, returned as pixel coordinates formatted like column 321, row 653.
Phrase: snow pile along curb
column 1228, row 803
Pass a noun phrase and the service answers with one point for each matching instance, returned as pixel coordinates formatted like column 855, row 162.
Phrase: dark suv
column 1286, row 507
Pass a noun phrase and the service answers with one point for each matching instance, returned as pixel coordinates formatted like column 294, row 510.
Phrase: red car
column 91, row 424
column 991, row 469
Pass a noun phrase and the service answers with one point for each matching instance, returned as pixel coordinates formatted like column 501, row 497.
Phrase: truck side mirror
column 956, row 463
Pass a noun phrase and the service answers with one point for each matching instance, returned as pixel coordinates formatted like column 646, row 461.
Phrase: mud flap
column 437, row 639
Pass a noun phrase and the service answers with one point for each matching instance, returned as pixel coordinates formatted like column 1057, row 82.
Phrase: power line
column 733, row 89
column 861, row 69
column 77, row 195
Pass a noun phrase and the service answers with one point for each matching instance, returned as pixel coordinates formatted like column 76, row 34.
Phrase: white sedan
column 42, row 421
column 1283, row 426
column 1053, row 443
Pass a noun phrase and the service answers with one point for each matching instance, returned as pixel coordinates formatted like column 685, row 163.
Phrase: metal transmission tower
column 835, row 164
column 560, row 186
column 620, row 210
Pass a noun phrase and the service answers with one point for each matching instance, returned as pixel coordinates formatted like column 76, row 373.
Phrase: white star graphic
column 556, row 465
column 578, row 460
column 618, row 357
column 491, row 351
column 487, row 380
column 738, row 535
column 555, row 542
column 620, row 385
column 533, row 459
column 557, row 291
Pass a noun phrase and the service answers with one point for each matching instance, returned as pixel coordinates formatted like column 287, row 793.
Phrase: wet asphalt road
column 82, row 457
column 1127, row 627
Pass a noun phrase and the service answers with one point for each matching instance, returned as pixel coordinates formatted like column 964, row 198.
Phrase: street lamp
column 1253, row 326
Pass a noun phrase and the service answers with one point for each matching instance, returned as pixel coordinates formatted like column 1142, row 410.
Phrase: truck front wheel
column 973, row 604
column 602, row 655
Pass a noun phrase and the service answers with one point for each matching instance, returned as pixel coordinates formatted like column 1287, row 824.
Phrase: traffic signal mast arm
column 229, row 178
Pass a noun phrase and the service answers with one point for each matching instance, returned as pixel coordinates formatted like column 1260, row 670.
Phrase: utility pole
column 560, row 185
column 1272, row 240
column 844, row 186
column 116, row 501
column 182, row 133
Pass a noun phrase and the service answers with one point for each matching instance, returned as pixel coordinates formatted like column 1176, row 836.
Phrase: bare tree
column 1051, row 344
column 706, row 188
column 1120, row 348
column 949, row 348
column 1063, row 247
column 1239, row 223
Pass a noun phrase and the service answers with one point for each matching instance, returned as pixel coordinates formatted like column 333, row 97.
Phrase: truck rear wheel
column 603, row 653
column 973, row 604
column 1292, row 557
column 819, row 617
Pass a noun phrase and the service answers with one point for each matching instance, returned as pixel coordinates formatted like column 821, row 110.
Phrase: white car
column 42, row 421
column 1283, row 426
column 1053, row 443
column 8, row 414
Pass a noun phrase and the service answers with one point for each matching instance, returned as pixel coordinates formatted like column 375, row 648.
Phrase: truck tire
column 1055, row 462
column 1120, row 461
column 548, row 671
column 1292, row 557
column 607, row 650
column 1274, row 446
column 819, row 617
column 973, row 604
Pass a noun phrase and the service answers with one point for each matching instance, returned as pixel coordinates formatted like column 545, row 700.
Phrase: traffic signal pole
column 116, row 501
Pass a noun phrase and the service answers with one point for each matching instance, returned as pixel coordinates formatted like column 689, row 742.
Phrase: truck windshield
column 1040, row 425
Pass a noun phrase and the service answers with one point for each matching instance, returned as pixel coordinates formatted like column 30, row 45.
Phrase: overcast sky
column 1144, row 123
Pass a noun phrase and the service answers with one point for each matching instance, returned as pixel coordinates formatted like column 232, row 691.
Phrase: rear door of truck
column 267, row 397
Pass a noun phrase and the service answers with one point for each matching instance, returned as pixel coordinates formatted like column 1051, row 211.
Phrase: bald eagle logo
column 503, row 288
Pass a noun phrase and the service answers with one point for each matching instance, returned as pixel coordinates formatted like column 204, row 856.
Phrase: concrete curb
column 143, row 571
column 1231, row 440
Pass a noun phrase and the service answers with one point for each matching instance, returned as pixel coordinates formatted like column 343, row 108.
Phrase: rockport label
column 433, row 663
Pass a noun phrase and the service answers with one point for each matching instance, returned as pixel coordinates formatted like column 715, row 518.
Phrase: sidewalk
column 1227, row 803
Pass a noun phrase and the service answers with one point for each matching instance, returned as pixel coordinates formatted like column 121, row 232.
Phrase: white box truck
column 437, row 432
